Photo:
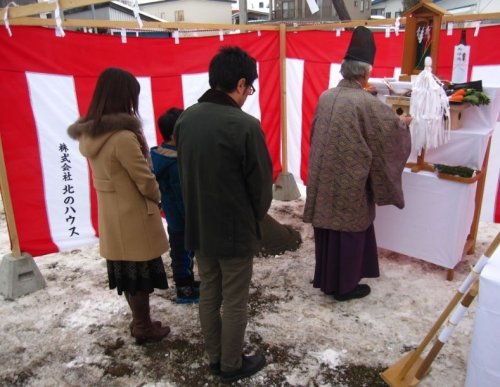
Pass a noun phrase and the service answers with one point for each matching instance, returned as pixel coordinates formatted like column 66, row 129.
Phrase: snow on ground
column 74, row 332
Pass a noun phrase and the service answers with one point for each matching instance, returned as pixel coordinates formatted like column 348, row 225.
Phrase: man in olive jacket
column 226, row 178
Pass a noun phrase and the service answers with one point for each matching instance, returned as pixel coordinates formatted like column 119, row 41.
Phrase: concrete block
column 285, row 188
column 19, row 276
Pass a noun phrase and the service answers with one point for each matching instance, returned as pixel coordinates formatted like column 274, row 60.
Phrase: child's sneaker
column 187, row 295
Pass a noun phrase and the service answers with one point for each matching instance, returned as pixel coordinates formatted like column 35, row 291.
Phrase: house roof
column 428, row 5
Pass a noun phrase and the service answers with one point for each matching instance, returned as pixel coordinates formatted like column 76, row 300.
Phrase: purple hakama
column 344, row 258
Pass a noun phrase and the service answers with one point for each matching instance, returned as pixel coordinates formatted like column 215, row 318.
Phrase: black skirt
column 344, row 258
column 132, row 277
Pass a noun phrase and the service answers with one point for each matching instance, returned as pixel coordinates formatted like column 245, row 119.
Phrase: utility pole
column 243, row 11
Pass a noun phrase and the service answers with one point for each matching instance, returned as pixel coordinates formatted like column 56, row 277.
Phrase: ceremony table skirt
column 435, row 222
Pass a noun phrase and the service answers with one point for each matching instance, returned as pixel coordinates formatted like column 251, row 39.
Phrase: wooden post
column 470, row 244
column 284, row 152
column 7, row 204
column 285, row 188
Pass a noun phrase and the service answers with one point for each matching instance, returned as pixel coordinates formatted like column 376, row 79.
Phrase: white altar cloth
column 438, row 213
column 483, row 365
column 435, row 222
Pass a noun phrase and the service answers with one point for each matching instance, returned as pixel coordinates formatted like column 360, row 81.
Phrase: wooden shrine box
column 420, row 19
column 456, row 115
column 401, row 105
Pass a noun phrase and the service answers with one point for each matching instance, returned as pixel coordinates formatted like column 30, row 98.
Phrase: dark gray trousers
column 225, row 284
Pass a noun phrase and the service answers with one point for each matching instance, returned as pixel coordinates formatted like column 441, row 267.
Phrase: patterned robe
column 359, row 148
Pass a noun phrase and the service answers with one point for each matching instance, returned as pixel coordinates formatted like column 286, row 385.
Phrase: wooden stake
column 284, row 151
column 426, row 364
column 7, row 204
column 401, row 374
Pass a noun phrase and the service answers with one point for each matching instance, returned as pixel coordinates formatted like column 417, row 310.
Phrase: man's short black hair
column 229, row 66
column 167, row 121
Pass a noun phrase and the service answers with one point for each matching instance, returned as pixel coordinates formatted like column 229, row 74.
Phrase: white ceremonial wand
column 430, row 110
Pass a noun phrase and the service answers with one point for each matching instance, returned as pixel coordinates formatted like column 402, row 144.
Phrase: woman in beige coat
column 131, row 234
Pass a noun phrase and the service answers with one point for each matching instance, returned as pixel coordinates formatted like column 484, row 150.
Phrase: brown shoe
column 155, row 323
column 152, row 333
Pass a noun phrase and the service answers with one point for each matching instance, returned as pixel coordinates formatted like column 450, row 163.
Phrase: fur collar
column 109, row 123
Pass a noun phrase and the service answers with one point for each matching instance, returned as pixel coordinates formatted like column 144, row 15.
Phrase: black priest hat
column 362, row 47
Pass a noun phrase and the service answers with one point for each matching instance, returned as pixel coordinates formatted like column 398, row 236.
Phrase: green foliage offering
column 457, row 170
column 476, row 98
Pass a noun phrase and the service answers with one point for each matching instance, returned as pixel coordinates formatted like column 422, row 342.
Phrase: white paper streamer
column 337, row 32
column 57, row 16
column 397, row 24
column 429, row 105
column 477, row 24
column 175, row 35
column 137, row 15
column 313, row 7
column 259, row 33
column 6, row 17
column 123, row 34
column 221, row 35
column 449, row 30
column 387, row 32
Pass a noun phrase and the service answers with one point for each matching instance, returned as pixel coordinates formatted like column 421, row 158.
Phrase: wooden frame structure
column 28, row 15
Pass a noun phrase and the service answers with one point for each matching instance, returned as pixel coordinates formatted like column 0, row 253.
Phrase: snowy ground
column 75, row 331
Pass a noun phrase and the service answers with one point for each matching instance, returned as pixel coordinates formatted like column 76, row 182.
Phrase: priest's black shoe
column 214, row 368
column 250, row 365
column 360, row 291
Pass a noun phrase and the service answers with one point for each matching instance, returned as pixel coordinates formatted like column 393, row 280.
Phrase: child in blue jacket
column 164, row 158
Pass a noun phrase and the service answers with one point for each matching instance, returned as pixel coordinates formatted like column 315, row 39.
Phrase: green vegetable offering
column 475, row 97
column 457, row 170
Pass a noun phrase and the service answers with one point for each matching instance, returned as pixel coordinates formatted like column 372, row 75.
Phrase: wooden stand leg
column 470, row 244
column 420, row 165
column 450, row 274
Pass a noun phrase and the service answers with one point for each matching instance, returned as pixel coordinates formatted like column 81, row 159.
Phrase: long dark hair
column 116, row 91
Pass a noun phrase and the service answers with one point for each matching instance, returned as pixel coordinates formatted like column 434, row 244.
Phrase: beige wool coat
column 130, row 225
column 359, row 148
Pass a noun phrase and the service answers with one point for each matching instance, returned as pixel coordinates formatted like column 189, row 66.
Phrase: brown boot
column 143, row 329
column 131, row 325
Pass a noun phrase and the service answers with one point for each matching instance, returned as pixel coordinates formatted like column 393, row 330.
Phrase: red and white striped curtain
column 46, row 83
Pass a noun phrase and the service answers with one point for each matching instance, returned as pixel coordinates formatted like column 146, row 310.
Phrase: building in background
column 253, row 16
column 191, row 11
column 394, row 8
column 298, row 10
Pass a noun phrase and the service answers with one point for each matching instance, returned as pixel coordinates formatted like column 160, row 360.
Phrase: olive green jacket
column 226, row 177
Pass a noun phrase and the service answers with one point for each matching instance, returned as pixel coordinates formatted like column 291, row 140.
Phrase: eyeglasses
column 251, row 90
